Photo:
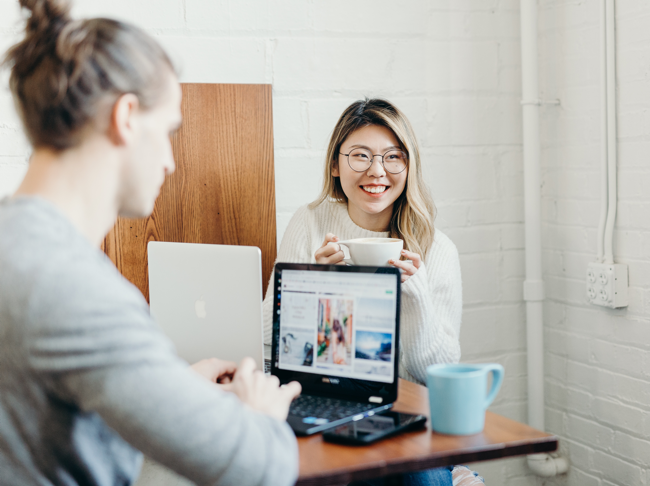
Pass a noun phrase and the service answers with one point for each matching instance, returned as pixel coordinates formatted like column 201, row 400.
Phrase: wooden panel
column 223, row 189
column 322, row 463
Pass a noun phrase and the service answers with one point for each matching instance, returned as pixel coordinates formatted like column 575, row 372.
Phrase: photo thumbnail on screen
column 297, row 347
column 297, row 336
column 372, row 345
column 335, row 331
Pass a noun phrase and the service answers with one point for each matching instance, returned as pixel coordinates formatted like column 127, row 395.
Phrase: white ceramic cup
column 372, row 251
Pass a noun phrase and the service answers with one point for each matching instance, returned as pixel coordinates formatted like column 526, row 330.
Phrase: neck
column 81, row 182
column 372, row 222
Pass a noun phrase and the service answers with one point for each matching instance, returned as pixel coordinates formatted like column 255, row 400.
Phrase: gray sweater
column 87, row 379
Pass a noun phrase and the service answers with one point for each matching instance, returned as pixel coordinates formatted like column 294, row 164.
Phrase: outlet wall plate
column 607, row 284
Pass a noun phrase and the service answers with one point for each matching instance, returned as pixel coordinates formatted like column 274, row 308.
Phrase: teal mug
column 458, row 398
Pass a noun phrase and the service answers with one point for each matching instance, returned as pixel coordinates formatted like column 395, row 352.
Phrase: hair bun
column 46, row 15
column 65, row 72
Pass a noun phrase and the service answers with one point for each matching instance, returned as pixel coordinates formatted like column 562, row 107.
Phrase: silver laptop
column 208, row 299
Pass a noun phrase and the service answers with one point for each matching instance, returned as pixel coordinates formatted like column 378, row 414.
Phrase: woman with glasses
column 373, row 188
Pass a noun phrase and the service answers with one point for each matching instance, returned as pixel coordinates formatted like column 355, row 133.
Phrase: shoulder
column 327, row 209
column 443, row 263
column 298, row 236
column 303, row 213
column 302, row 220
column 51, row 273
column 442, row 247
column 321, row 215
column 330, row 213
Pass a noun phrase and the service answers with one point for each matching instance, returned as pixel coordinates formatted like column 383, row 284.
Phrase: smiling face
column 371, row 194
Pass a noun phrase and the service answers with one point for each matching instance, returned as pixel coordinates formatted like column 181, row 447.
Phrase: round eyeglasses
column 360, row 160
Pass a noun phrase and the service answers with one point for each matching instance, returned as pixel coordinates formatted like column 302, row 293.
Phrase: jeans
column 431, row 477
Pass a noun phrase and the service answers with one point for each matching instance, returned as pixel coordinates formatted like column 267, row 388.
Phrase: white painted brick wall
column 597, row 360
column 452, row 65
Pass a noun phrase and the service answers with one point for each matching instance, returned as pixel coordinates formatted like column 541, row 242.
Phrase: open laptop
column 208, row 299
column 336, row 331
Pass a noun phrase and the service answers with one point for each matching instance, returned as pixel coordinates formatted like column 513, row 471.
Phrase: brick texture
column 453, row 66
column 597, row 360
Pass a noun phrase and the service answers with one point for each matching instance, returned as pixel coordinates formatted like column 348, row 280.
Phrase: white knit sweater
column 431, row 304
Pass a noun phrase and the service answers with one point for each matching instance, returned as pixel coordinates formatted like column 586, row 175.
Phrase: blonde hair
column 414, row 210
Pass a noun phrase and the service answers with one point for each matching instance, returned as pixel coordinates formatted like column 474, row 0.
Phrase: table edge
column 477, row 454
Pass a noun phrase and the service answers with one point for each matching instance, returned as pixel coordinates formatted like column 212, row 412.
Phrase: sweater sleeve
column 431, row 311
column 295, row 248
column 94, row 346
column 167, row 411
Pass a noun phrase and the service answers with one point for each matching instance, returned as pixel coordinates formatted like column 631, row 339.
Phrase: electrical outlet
column 607, row 284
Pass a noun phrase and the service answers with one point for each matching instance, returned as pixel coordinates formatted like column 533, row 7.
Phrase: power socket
column 607, row 284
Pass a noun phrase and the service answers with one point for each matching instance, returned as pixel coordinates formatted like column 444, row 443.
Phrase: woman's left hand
column 409, row 268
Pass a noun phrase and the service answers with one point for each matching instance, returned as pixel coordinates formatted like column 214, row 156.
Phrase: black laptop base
column 311, row 299
column 308, row 417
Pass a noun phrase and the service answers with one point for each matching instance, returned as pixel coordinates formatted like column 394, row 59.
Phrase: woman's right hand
column 330, row 253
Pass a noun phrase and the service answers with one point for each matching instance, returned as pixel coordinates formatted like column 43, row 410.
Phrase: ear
column 335, row 169
column 123, row 119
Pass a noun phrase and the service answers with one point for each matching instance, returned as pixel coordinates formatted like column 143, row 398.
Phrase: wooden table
column 322, row 463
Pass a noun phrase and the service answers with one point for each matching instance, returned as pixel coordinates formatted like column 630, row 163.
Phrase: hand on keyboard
column 215, row 370
column 263, row 393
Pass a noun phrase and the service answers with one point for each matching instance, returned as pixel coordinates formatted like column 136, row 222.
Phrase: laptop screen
column 337, row 323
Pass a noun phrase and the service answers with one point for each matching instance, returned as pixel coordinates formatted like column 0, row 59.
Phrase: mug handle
column 497, row 379
column 347, row 261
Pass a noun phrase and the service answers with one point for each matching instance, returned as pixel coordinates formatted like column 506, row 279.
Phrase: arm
column 101, row 353
column 202, row 433
column 432, row 310
column 294, row 248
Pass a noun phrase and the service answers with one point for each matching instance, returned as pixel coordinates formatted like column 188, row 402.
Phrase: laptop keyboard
column 327, row 408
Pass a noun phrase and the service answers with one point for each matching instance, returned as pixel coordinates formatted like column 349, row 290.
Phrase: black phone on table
column 374, row 428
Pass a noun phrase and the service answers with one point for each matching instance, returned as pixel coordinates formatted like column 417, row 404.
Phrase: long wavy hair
column 414, row 210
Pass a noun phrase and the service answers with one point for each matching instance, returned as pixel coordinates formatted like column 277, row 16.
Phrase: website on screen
column 338, row 323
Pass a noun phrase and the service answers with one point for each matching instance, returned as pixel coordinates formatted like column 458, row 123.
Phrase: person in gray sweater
column 87, row 380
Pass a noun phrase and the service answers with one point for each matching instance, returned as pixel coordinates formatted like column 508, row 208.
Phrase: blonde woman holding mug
column 373, row 187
